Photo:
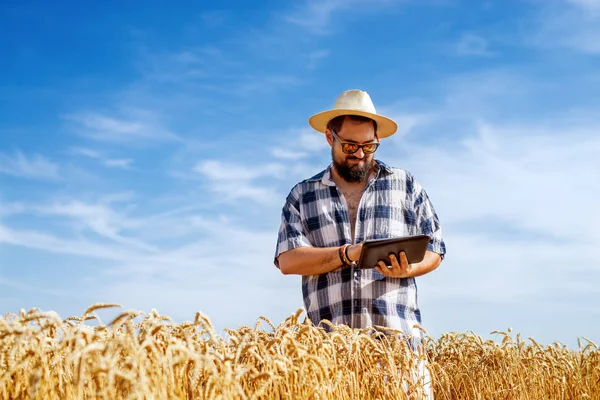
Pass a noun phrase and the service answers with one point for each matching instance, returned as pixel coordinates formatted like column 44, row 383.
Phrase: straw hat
column 354, row 102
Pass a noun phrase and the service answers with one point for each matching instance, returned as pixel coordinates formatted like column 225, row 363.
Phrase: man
column 326, row 218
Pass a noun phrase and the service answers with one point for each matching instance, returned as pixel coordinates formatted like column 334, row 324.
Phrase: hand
column 398, row 269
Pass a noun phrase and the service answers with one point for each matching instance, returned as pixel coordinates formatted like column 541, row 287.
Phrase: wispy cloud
column 209, row 250
column 31, row 167
column 186, row 64
column 99, row 219
column 590, row 5
column 35, row 239
column 406, row 120
column 288, row 154
column 509, row 217
column 572, row 24
column 299, row 143
column 234, row 181
column 264, row 84
column 473, row 45
column 195, row 68
column 7, row 209
column 315, row 16
column 316, row 57
column 503, row 183
column 34, row 290
column 507, row 189
column 223, row 171
column 124, row 163
column 139, row 128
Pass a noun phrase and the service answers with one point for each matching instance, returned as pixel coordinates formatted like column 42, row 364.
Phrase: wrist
column 347, row 256
column 344, row 256
column 353, row 252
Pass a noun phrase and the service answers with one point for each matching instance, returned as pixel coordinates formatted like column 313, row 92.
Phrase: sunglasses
column 351, row 148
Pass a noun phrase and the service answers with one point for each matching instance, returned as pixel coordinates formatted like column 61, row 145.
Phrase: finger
column 394, row 261
column 404, row 261
column 384, row 265
column 383, row 270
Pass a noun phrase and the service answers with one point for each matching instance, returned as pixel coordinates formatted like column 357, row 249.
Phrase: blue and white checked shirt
column 393, row 204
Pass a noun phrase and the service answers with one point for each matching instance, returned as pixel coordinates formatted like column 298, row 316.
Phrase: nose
column 359, row 153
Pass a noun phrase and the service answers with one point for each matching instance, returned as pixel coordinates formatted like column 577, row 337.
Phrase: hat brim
column 386, row 127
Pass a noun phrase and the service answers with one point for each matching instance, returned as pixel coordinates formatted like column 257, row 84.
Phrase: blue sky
column 146, row 151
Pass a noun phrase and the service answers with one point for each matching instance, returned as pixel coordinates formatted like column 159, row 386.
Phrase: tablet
column 379, row 249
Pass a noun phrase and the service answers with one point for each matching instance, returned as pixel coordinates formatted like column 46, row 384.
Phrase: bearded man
column 326, row 219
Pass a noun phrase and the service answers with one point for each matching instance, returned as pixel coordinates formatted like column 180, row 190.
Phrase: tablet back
column 379, row 249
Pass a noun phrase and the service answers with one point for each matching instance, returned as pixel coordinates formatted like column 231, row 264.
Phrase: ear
column 329, row 137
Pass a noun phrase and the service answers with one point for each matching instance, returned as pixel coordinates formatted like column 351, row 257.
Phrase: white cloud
column 120, row 197
column 85, row 218
column 86, row 152
column 315, row 16
column 31, row 167
column 516, row 193
column 288, row 154
column 224, row 171
column 230, row 182
column 573, row 25
column 212, row 254
column 515, row 201
column 406, row 120
column 473, row 45
column 99, row 219
column 7, row 209
column 235, row 190
column 300, row 143
column 309, row 140
column 34, row 290
column 95, row 222
column 316, row 57
column 138, row 128
column 35, row 239
column 590, row 5
column 251, row 85
column 124, row 163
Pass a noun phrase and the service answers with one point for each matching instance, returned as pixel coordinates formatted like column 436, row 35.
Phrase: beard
column 352, row 173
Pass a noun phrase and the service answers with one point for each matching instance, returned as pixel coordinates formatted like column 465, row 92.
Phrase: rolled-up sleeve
column 428, row 222
column 292, row 231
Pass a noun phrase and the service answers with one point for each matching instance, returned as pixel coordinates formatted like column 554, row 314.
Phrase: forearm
column 309, row 261
column 430, row 262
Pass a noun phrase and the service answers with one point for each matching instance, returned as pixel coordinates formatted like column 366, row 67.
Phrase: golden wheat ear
column 44, row 357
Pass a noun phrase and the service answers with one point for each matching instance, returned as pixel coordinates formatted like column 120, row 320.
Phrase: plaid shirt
column 393, row 204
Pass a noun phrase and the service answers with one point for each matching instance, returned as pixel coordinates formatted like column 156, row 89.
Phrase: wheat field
column 148, row 356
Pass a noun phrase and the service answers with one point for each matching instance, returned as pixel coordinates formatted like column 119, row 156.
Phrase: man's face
column 353, row 167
